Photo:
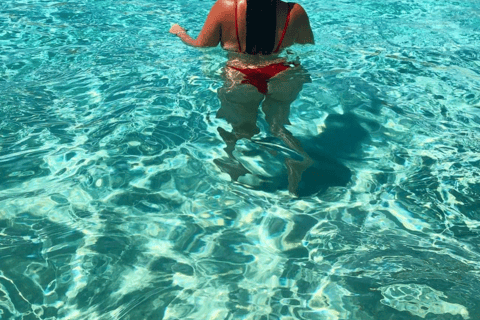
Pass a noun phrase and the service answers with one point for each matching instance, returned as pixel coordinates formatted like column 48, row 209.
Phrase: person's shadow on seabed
column 307, row 173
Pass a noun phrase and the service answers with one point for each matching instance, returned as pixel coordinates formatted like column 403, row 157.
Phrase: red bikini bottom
column 259, row 77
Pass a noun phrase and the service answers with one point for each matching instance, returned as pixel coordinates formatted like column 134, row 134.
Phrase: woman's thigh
column 286, row 85
column 239, row 104
column 283, row 89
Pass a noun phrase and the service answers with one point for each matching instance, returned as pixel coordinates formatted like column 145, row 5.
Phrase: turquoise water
column 113, row 204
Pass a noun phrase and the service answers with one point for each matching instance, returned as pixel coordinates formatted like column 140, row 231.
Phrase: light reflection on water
column 112, row 207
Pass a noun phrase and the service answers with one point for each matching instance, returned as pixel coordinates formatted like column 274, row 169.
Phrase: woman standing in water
column 254, row 32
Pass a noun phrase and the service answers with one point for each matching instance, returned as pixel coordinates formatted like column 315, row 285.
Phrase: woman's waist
column 246, row 61
column 264, row 64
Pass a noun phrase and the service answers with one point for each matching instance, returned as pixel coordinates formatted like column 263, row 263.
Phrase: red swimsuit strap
column 236, row 29
column 284, row 28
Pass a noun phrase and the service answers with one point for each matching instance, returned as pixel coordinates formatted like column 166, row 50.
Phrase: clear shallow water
column 112, row 207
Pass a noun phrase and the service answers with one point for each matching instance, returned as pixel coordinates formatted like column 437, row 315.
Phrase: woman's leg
column 239, row 107
column 283, row 89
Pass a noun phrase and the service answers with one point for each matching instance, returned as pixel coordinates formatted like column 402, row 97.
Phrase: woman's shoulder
column 297, row 9
column 223, row 9
column 301, row 25
column 226, row 4
column 298, row 15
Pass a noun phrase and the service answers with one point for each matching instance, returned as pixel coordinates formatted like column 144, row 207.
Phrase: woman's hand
column 176, row 29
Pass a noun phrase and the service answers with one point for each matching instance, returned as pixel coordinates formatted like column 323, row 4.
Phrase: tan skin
column 240, row 101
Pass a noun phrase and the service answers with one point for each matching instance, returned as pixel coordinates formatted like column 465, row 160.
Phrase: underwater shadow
column 342, row 139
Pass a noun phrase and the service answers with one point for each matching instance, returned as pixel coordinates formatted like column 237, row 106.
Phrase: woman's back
column 284, row 11
column 262, row 25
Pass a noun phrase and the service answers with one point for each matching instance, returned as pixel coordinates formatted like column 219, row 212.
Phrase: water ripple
column 114, row 197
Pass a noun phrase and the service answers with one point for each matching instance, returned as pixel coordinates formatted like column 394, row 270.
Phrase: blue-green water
column 113, row 205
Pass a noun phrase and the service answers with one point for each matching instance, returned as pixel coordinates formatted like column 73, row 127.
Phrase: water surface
column 112, row 205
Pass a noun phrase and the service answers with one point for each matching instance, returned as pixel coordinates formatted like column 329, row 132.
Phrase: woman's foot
column 295, row 170
column 233, row 168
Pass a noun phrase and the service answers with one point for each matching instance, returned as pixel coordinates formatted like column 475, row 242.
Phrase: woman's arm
column 305, row 34
column 211, row 31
